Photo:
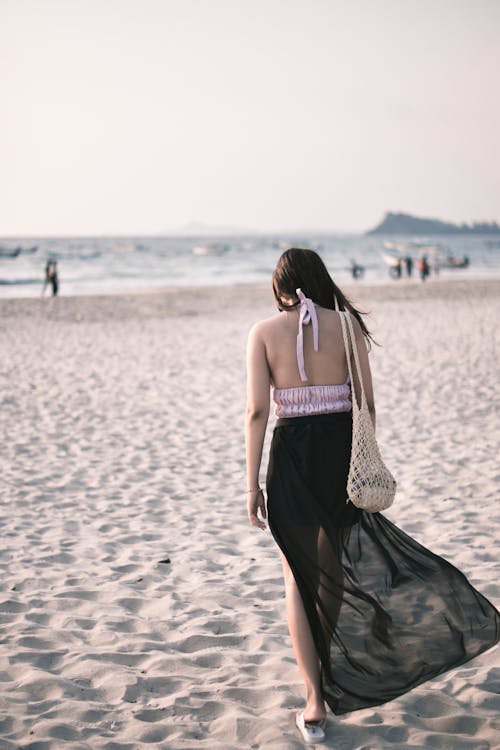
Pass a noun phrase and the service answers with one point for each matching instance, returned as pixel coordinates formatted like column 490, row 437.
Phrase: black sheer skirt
column 386, row 614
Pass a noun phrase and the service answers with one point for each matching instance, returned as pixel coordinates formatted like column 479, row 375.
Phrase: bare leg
column 303, row 646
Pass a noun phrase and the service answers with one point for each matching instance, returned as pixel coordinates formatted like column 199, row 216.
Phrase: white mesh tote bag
column 370, row 484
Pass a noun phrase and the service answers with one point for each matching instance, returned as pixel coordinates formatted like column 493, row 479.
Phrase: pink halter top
column 310, row 399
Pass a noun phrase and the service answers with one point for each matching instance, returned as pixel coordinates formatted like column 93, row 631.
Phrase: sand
column 139, row 609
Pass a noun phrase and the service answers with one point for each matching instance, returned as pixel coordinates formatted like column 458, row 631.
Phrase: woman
column 371, row 613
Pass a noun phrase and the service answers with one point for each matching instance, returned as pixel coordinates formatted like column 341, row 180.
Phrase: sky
column 146, row 116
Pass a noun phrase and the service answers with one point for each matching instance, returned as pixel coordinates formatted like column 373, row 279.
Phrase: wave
column 17, row 282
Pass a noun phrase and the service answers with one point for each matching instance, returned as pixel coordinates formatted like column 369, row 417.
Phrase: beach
column 139, row 608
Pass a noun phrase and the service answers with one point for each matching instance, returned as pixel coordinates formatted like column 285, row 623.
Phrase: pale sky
column 140, row 116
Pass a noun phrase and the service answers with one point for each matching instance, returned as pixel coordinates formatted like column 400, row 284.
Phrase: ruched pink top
column 310, row 399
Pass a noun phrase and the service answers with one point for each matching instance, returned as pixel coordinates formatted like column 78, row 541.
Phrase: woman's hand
column 256, row 503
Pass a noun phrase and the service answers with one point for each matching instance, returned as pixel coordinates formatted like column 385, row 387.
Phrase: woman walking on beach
column 371, row 613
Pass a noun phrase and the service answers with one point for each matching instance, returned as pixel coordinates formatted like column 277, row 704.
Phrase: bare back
column 327, row 366
column 282, row 352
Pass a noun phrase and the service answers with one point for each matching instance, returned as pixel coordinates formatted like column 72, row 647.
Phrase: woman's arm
column 257, row 414
column 365, row 371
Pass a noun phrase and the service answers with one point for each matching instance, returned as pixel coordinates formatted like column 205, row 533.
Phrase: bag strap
column 346, row 323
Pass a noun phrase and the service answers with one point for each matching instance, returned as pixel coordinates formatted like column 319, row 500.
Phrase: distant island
column 407, row 224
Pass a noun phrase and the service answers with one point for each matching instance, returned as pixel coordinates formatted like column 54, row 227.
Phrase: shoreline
column 169, row 302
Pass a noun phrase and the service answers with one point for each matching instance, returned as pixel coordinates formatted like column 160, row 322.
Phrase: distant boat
column 399, row 247
column 452, row 262
column 124, row 246
column 415, row 246
column 301, row 243
column 13, row 252
column 281, row 244
column 9, row 253
column 443, row 258
column 391, row 259
column 440, row 257
column 213, row 248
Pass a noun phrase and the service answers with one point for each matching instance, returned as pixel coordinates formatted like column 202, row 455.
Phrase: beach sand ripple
column 137, row 606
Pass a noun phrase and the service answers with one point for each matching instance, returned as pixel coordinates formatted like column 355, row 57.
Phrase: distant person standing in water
column 409, row 266
column 357, row 271
column 51, row 277
column 423, row 267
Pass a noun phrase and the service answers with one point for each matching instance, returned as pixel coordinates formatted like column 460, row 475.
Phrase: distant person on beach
column 51, row 277
column 396, row 270
column 409, row 266
column 357, row 271
column 423, row 267
column 371, row 613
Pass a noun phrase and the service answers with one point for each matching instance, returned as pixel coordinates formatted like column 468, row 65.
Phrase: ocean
column 99, row 265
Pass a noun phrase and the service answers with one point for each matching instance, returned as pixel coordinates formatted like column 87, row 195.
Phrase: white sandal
column 312, row 731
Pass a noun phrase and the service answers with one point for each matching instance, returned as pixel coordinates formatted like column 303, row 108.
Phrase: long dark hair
column 304, row 269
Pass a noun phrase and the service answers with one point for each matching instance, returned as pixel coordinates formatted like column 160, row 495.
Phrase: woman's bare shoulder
column 261, row 327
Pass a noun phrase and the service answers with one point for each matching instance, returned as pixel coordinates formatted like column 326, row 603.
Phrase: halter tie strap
column 307, row 315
